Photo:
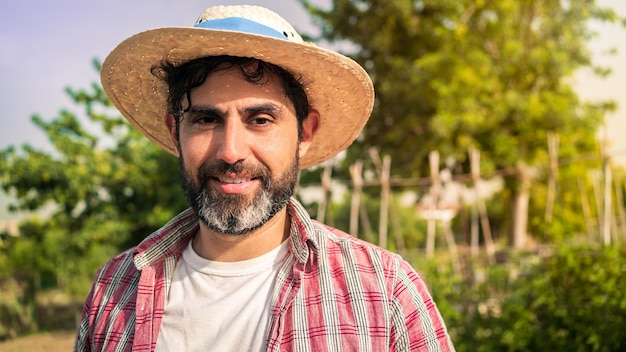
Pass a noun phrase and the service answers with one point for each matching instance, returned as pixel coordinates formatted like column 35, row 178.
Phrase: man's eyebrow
column 248, row 110
column 269, row 107
column 206, row 110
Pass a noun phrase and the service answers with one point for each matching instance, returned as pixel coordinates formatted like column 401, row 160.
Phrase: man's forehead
column 232, row 83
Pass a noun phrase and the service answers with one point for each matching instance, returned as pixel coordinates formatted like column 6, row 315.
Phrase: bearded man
column 245, row 104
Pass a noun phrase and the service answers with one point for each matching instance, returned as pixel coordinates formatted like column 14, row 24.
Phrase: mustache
column 208, row 171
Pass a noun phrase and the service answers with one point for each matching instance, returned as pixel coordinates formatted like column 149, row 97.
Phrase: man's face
column 239, row 151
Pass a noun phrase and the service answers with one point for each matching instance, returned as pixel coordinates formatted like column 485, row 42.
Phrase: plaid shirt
column 333, row 293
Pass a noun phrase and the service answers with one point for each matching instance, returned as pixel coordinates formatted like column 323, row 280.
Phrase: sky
column 48, row 45
column 614, row 87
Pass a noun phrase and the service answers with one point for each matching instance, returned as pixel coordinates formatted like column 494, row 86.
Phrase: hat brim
column 336, row 86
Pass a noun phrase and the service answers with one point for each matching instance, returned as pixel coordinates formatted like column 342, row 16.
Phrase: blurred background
column 493, row 161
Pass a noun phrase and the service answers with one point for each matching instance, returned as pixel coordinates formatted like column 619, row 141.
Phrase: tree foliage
column 449, row 75
column 101, row 189
column 491, row 75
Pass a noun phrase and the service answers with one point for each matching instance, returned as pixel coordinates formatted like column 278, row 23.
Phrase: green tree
column 104, row 187
column 492, row 75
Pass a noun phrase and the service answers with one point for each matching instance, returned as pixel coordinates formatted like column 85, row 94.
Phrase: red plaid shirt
column 336, row 293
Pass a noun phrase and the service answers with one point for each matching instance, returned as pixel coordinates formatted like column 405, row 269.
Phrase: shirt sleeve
column 416, row 322
column 82, row 342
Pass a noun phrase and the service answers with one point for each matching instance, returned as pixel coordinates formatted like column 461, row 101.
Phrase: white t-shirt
column 219, row 306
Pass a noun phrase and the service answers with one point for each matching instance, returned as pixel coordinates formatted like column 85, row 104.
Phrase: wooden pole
column 480, row 204
column 356, row 171
column 323, row 205
column 584, row 202
column 621, row 205
column 474, row 228
column 553, row 151
column 433, row 159
column 383, row 170
column 596, row 180
column 454, row 253
column 616, row 215
column 397, row 230
column 621, row 215
column 474, row 156
column 367, row 226
column 385, row 196
column 606, row 222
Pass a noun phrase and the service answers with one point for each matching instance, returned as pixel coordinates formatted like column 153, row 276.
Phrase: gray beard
column 235, row 214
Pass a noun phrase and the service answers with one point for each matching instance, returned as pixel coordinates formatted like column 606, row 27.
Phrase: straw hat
column 335, row 85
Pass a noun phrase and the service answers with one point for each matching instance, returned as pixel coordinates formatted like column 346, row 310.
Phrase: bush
column 573, row 299
column 16, row 308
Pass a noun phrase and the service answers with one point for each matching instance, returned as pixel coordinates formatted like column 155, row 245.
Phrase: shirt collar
column 168, row 240
column 302, row 229
column 172, row 238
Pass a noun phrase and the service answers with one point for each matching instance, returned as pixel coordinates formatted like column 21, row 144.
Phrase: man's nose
column 233, row 146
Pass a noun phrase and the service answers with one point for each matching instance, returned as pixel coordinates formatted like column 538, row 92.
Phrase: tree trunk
column 519, row 207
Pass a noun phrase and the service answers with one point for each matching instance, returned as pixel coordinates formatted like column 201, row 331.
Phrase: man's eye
column 204, row 120
column 261, row 120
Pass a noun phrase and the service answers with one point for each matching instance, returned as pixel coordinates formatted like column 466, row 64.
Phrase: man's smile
column 236, row 185
column 235, row 180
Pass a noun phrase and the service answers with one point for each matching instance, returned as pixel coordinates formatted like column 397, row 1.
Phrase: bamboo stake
column 614, row 214
column 397, row 231
column 365, row 221
column 326, row 177
column 606, row 224
column 433, row 158
column 356, row 171
column 622, row 205
column 385, row 195
column 454, row 253
column 621, row 215
column 553, row 151
column 596, row 177
column 387, row 206
column 480, row 204
column 606, row 167
column 584, row 200
column 474, row 227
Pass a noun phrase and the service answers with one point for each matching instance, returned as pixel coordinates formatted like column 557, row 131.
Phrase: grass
column 41, row 342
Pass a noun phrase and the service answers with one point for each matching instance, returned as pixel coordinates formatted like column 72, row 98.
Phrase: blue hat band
column 241, row 25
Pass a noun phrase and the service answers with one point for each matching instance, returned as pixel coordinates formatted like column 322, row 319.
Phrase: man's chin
column 234, row 203
column 232, row 226
column 235, row 214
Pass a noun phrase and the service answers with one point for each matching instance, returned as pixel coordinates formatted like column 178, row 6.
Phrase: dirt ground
column 42, row 342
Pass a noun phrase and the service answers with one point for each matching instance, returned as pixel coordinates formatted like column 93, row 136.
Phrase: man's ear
column 309, row 128
column 170, row 123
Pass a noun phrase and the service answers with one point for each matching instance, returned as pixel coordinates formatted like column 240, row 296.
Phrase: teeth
column 233, row 180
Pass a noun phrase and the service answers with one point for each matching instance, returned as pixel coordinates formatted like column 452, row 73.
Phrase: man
column 245, row 104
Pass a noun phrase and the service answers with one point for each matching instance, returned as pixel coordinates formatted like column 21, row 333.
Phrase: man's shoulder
column 120, row 265
column 349, row 259
column 329, row 237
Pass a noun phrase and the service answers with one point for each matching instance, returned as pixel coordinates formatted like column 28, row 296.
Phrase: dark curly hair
column 181, row 79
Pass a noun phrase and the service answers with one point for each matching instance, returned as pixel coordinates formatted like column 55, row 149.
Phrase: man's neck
column 231, row 248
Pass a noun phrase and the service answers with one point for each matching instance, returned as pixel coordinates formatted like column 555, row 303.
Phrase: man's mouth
column 235, row 180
